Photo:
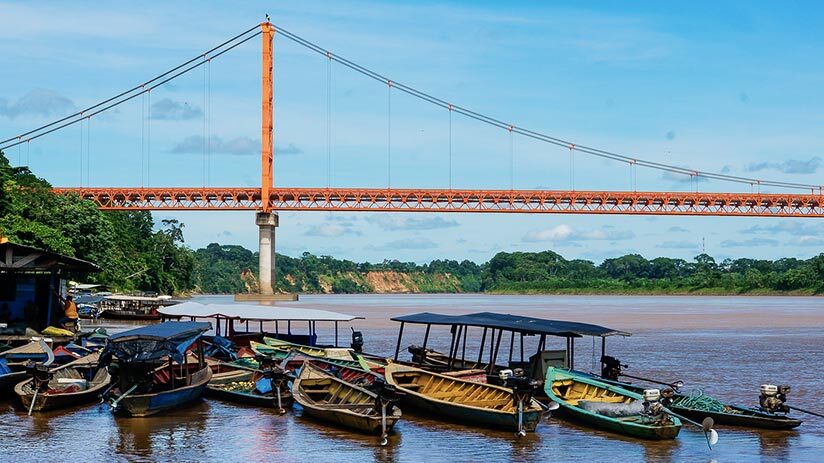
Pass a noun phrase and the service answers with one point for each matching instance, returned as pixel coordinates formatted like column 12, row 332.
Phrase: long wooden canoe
column 76, row 383
column 330, row 399
column 579, row 396
column 154, row 402
column 238, row 385
column 465, row 402
column 721, row 413
column 338, row 353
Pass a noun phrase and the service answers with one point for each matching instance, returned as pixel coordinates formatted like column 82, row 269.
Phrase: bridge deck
column 437, row 200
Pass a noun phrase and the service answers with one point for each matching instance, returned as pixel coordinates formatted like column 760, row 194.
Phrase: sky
column 732, row 87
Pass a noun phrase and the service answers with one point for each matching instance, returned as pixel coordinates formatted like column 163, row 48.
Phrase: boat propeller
column 40, row 377
column 278, row 378
column 523, row 391
column 386, row 396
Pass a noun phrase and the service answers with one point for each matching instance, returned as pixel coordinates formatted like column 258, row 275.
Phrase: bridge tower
column 266, row 219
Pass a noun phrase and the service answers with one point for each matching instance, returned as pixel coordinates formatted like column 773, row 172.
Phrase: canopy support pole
column 398, row 346
column 511, row 346
column 495, row 352
column 522, row 347
column 425, row 341
column 453, row 346
column 603, row 346
column 463, row 349
column 454, row 331
column 336, row 334
column 481, row 350
column 572, row 354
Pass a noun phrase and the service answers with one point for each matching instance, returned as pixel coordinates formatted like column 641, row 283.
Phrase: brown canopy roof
column 21, row 258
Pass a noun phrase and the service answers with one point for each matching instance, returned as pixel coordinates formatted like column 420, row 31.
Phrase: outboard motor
column 386, row 396
column 654, row 410
column 773, row 398
column 667, row 396
column 39, row 373
column 523, row 391
column 276, row 378
column 611, row 368
column 357, row 341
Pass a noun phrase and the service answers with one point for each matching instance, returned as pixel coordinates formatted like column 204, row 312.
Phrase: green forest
column 135, row 253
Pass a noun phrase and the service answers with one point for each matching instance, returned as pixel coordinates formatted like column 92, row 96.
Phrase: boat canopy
column 515, row 323
column 153, row 342
column 253, row 312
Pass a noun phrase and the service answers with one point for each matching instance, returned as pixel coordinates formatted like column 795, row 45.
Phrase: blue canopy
column 516, row 323
column 154, row 342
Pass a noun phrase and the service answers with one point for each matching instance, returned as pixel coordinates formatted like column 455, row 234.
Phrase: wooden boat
column 580, row 396
column 466, row 402
column 327, row 398
column 153, row 376
column 76, row 383
column 161, row 397
column 121, row 314
column 13, row 363
column 698, row 408
column 338, row 353
column 239, row 384
column 354, row 368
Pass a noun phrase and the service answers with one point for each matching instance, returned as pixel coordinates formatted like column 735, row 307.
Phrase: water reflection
column 153, row 436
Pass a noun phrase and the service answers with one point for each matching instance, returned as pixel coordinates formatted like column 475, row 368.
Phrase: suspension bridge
column 791, row 200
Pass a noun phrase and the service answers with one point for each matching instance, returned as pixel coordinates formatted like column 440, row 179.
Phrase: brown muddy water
column 726, row 346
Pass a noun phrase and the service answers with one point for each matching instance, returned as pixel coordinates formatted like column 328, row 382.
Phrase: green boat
column 699, row 406
column 604, row 406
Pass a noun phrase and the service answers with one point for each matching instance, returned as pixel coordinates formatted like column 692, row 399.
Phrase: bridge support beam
column 267, row 223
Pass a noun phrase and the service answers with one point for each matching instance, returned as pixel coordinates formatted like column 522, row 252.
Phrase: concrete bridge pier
column 267, row 223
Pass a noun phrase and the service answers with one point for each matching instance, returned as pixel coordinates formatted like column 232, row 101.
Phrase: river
column 726, row 346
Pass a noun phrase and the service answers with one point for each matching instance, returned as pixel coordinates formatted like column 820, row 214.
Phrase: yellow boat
column 466, row 402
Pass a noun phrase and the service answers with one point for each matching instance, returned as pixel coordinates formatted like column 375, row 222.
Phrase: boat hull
column 473, row 417
column 249, row 398
column 628, row 426
column 154, row 403
column 748, row 418
column 332, row 400
column 745, row 417
column 126, row 315
column 364, row 424
column 470, row 403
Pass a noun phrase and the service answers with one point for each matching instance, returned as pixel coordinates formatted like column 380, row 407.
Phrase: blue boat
column 152, row 370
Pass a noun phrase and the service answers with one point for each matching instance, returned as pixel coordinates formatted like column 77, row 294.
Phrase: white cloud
column 564, row 232
column 396, row 222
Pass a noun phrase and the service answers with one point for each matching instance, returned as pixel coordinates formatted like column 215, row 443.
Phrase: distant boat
column 126, row 307
column 153, row 375
column 333, row 400
column 607, row 407
column 466, row 402
column 76, row 383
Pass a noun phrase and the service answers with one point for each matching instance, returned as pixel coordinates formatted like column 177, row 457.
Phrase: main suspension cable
column 133, row 92
column 537, row 135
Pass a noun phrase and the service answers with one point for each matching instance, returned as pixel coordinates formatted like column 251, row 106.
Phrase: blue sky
column 733, row 87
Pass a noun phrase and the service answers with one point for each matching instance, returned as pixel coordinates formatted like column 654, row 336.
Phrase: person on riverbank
column 69, row 320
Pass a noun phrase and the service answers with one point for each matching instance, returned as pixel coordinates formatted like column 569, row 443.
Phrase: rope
column 389, row 134
column 89, row 151
column 696, row 400
column 149, row 139
column 450, row 147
